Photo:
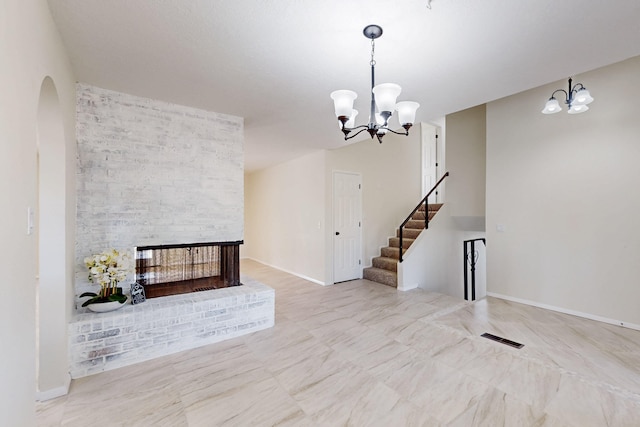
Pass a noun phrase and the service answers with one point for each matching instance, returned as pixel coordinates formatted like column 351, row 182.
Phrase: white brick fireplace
column 151, row 173
column 102, row 341
column 154, row 173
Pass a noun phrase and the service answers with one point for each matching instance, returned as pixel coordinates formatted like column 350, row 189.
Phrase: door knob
column 337, row 233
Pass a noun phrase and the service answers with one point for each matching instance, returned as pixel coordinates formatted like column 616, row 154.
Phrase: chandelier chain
column 373, row 50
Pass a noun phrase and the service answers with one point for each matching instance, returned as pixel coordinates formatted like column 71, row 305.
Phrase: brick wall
column 150, row 172
column 103, row 341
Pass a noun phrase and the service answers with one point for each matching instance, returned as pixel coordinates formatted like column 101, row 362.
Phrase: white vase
column 103, row 307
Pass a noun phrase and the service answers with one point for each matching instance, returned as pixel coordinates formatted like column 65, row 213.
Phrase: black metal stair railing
column 470, row 256
column 426, row 211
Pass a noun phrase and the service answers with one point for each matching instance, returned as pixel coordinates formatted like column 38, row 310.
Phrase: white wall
column 566, row 190
column 285, row 216
column 428, row 262
column 151, row 172
column 31, row 49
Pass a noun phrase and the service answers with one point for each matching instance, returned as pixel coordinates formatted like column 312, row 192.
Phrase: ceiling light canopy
column 383, row 103
column 576, row 98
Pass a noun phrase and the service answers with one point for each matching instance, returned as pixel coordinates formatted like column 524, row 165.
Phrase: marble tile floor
column 363, row 354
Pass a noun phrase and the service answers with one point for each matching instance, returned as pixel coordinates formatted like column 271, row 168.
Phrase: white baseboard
column 63, row 390
column 408, row 287
column 318, row 282
column 567, row 311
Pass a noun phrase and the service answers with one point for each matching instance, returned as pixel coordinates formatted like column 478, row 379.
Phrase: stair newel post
column 426, row 214
column 400, row 249
column 473, row 270
column 471, row 258
column 465, row 254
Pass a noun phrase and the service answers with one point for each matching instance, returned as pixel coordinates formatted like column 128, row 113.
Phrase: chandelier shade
column 407, row 112
column 577, row 109
column 386, row 96
column 383, row 103
column 352, row 119
column 552, row 106
column 583, row 97
column 576, row 98
column 343, row 102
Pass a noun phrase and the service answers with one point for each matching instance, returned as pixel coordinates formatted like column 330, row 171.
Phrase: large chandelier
column 383, row 103
column 576, row 98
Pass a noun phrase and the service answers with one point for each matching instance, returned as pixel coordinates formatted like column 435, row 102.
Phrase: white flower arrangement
column 107, row 269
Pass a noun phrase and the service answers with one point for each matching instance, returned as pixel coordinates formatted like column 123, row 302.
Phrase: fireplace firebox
column 182, row 268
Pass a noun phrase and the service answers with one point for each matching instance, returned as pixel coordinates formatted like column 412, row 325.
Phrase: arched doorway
column 52, row 374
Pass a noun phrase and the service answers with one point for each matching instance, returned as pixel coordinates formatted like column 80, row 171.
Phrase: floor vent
column 503, row 340
column 202, row 289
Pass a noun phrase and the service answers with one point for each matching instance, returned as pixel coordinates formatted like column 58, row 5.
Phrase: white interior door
column 429, row 160
column 347, row 223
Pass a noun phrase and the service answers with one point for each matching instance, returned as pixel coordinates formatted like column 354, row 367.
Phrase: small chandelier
column 577, row 99
column 383, row 99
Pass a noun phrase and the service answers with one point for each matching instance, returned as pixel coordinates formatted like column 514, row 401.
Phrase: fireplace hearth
column 191, row 267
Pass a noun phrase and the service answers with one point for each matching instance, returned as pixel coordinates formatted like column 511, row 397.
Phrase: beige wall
column 288, row 207
column 466, row 161
column 30, row 49
column 284, row 216
column 391, row 188
column 434, row 261
column 565, row 188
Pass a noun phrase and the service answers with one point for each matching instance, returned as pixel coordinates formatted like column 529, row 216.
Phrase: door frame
column 432, row 151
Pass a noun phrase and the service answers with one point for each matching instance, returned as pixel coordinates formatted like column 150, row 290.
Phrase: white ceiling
column 274, row 62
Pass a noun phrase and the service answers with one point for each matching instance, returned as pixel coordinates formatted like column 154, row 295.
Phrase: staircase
column 385, row 267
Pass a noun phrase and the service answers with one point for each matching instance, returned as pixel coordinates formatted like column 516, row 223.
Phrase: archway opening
column 51, row 295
